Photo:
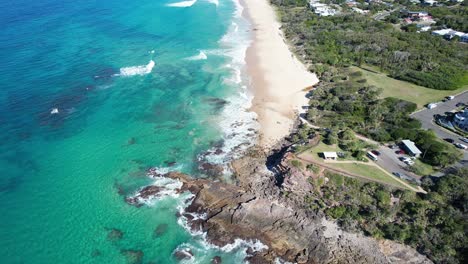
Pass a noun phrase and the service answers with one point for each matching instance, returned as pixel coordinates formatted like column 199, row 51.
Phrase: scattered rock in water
column 181, row 254
column 153, row 172
column 95, row 253
column 170, row 163
column 216, row 260
column 160, row 230
column 114, row 234
column 131, row 141
column 144, row 194
column 133, row 256
column 120, row 189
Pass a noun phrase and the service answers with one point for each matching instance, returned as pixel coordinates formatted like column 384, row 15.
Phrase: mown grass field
column 404, row 90
column 367, row 171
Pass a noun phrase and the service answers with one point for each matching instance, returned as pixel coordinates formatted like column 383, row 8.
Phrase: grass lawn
column 404, row 90
column 423, row 169
column 322, row 147
column 368, row 171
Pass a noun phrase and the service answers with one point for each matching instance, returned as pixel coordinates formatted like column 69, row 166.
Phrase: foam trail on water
column 200, row 56
column 136, row 70
column 214, row 2
column 183, row 4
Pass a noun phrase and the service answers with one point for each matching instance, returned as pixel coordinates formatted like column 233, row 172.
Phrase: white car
column 464, row 140
column 460, row 146
column 409, row 162
column 450, row 97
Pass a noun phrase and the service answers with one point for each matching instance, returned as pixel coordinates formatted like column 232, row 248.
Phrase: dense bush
column 433, row 223
column 351, row 38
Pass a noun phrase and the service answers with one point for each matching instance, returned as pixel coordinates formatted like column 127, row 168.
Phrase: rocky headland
column 253, row 209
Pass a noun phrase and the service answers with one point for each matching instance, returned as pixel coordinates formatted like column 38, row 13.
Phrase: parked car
column 450, row 97
column 409, row 162
column 464, row 139
column 449, row 140
column 375, row 152
column 460, row 104
column 404, row 159
column 460, row 146
column 401, row 152
column 431, row 105
column 397, row 174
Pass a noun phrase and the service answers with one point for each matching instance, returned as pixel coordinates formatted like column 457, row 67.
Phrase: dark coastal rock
column 254, row 210
column 145, row 193
column 160, row 230
column 210, row 169
column 181, row 254
column 216, row 260
column 170, row 163
column 133, row 256
column 217, row 103
column 114, row 234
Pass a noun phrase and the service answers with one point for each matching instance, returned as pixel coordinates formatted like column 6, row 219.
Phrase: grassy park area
column 349, row 164
column 404, row 90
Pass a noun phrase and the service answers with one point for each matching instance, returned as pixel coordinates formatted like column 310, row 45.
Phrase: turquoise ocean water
column 93, row 93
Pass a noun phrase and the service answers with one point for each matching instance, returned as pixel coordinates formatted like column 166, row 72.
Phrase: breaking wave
column 200, row 56
column 183, row 4
column 136, row 70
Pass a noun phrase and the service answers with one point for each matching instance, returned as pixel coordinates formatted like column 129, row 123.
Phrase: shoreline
column 278, row 80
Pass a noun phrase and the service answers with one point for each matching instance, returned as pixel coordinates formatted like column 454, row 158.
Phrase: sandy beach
column 278, row 78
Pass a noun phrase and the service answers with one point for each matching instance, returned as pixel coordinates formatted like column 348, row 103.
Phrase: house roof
column 411, row 146
column 330, row 155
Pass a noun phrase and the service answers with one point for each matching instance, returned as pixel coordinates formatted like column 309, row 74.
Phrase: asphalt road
column 426, row 117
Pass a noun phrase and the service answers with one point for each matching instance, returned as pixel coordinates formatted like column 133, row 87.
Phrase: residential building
column 410, row 148
column 330, row 155
column 449, row 34
column 322, row 9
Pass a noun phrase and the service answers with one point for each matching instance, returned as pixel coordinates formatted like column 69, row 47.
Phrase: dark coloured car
column 449, row 140
column 401, row 152
column 460, row 104
column 375, row 152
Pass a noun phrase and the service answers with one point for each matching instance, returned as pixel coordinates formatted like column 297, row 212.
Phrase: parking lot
column 390, row 161
column 426, row 117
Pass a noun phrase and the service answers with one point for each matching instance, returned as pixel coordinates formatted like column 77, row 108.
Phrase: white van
column 372, row 156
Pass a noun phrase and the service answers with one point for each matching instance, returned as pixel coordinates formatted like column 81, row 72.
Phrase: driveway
column 426, row 118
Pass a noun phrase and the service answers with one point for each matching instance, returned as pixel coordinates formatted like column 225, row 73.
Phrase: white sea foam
column 200, row 56
column 136, row 70
column 183, row 4
column 215, row 2
column 239, row 125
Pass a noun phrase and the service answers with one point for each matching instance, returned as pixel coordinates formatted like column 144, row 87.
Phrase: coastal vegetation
column 348, row 102
column 338, row 41
column 373, row 74
column 433, row 223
